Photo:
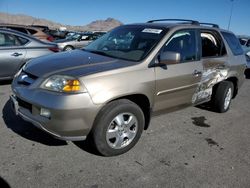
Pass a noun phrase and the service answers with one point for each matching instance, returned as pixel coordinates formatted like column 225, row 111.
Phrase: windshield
column 74, row 37
column 128, row 42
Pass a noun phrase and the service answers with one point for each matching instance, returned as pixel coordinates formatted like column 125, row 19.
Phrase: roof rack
column 179, row 20
column 210, row 24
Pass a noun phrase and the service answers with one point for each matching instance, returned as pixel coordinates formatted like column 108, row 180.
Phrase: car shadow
column 5, row 82
column 26, row 129
column 87, row 146
column 206, row 106
column 4, row 183
column 247, row 73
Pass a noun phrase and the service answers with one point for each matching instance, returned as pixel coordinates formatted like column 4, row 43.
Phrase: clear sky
column 82, row 12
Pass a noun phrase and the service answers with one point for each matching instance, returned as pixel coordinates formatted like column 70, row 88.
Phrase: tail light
column 54, row 49
column 50, row 38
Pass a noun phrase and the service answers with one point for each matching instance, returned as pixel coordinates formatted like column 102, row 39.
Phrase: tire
column 223, row 96
column 112, row 133
column 68, row 48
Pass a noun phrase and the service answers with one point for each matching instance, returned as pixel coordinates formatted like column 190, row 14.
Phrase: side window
column 212, row 44
column 242, row 41
column 22, row 40
column 32, row 31
column 2, row 39
column 248, row 43
column 22, row 30
column 84, row 37
column 11, row 40
column 184, row 43
column 233, row 43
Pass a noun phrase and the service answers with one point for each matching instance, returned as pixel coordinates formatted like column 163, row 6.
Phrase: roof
column 170, row 23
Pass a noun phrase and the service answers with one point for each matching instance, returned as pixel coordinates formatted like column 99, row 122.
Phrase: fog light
column 45, row 112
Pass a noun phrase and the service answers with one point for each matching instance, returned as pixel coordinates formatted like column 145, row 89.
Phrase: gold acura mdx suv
column 108, row 91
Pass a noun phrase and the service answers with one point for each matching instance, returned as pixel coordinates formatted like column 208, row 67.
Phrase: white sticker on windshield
column 150, row 30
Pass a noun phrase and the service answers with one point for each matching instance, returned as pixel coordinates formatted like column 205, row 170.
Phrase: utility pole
column 230, row 17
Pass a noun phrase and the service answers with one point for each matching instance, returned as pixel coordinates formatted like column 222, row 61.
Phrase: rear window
column 22, row 30
column 233, row 43
column 32, row 31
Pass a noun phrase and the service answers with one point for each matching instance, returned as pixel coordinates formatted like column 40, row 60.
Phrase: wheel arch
column 143, row 102
column 232, row 79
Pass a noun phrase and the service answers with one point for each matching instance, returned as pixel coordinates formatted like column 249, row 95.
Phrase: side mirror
column 169, row 58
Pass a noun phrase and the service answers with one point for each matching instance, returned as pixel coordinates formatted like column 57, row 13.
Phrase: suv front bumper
column 71, row 115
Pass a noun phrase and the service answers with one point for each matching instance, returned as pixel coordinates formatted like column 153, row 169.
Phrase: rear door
column 176, row 84
column 12, row 54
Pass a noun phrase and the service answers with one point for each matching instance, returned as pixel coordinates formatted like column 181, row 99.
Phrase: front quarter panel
column 107, row 86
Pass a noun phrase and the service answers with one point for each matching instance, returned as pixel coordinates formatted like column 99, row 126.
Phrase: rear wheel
column 223, row 96
column 68, row 48
column 118, row 127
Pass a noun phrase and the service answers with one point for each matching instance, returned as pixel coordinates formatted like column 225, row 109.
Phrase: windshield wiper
column 98, row 52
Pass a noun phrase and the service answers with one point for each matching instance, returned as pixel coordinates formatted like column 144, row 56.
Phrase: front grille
column 26, row 78
column 24, row 104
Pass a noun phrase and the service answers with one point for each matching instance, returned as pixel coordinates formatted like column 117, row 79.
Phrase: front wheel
column 118, row 127
column 68, row 48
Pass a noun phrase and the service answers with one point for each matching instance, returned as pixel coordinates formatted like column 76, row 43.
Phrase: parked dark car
column 17, row 48
column 244, row 40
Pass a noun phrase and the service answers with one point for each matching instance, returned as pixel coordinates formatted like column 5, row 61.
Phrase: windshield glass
column 128, row 42
column 74, row 37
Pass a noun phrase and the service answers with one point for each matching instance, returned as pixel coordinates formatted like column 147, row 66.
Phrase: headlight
column 62, row 83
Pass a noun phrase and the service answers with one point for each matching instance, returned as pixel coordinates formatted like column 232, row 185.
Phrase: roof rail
column 178, row 20
column 210, row 24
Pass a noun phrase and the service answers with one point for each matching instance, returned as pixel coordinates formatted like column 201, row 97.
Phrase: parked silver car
column 77, row 40
column 17, row 48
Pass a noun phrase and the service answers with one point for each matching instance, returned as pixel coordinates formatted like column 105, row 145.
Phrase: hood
column 73, row 63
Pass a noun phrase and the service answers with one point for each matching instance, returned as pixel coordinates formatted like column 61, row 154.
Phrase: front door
column 176, row 83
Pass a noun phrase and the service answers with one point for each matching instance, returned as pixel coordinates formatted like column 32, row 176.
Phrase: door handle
column 197, row 73
column 16, row 54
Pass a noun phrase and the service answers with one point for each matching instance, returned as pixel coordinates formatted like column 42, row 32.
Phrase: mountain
column 99, row 25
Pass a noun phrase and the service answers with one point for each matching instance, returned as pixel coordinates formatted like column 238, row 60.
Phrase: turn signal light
column 72, row 86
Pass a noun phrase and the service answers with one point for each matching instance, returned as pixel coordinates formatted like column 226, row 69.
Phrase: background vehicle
column 34, row 31
column 244, row 40
column 108, row 91
column 77, row 40
column 248, row 60
column 17, row 48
